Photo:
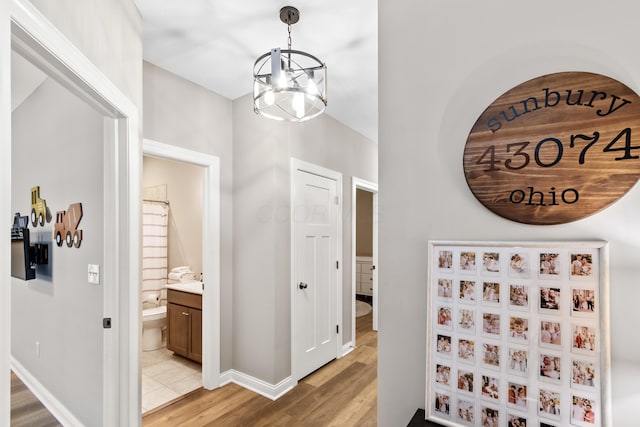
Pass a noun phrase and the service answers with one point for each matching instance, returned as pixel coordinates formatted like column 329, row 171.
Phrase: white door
column 315, row 271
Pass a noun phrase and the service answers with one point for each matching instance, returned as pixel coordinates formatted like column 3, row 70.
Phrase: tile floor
column 166, row 376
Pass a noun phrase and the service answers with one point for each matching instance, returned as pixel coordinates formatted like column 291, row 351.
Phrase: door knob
column 302, row 285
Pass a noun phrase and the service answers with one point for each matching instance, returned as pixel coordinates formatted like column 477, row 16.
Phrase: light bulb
column 312, row 89
column 268, row 97
column 281, row 80
column 298, row 104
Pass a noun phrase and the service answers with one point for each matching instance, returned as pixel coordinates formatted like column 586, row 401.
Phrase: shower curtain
column 155, row 215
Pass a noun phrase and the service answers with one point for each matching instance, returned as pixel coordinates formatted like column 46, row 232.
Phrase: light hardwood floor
column 26, row 409
column 342, row 393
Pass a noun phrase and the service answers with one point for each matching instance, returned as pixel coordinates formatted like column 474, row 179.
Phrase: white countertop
column 191, row 287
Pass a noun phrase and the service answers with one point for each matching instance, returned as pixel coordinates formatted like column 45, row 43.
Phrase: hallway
column 343, row 393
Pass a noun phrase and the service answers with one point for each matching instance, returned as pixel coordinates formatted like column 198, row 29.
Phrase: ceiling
column 215, row 43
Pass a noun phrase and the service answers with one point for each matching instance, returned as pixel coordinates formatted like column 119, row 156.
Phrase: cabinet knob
column 302, row 285
column 185, row 313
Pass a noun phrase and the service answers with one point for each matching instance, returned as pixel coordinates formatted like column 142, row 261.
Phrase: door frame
column 300, row 165
column 24, row 29
column 210, row 250
column 372, row 187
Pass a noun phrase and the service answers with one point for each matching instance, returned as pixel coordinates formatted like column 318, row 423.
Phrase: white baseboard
column 346, row 349
column 268, row 390
column 53, row 405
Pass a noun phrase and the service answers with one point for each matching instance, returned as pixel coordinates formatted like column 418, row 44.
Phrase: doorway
column 172, row 195
column 210, row 249
column 364, row 244
column 113, row 143
column 316, row 255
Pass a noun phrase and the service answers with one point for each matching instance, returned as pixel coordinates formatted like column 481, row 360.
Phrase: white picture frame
column 523, row 291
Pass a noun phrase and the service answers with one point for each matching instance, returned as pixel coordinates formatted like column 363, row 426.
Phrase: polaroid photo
column 489, row 417
column 583, row 339
column 584, row 374
column 443, row 375
column 514, row 420
column 465, row 412
column 519, row 297
column 583, row 302
column 519, row 265
column 518, row 329
column 549, row 301
column 546, row 424
column 443, row 317
column 490, row 263
column 550, row 368
column 491, row 355
column 466, row 321
column 467, row 292
column 445, row 289
column 550, row 266
column 445, row 260
column 491, row 325
column 518, row 361
column 443, row 345
column 467, row 262
column 550, row 334
column 490, row 387
column 517, row 395
column 582, row 266
column 491, row 293
column 549, row 404
column 442, row 404
column 583, row 411
column 465, row 381
column 466, row 350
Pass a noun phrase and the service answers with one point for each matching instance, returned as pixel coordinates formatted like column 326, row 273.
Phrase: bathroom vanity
column 364, row 275
column 184, row 320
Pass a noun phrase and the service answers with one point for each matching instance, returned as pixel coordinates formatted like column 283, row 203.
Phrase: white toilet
column 153, row 321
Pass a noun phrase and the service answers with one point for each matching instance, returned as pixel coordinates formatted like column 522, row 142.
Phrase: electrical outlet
column 93, row 274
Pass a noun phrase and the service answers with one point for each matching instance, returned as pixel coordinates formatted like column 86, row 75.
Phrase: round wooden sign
column 556, row 148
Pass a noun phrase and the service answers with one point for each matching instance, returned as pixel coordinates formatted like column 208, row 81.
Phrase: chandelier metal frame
column 289, row 85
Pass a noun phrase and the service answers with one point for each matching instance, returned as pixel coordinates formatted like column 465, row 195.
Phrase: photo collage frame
column 516, row 334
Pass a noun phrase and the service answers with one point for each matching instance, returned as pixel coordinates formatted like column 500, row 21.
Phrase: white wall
column 57, row 141
column 262, row 152
column 181, row 113
column 457, row 57
column 184, row 193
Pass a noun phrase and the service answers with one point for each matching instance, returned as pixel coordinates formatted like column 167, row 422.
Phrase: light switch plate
column 93, row 274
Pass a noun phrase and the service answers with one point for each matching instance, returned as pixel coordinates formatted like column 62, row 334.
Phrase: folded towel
column 182, row 277
column 181, row 269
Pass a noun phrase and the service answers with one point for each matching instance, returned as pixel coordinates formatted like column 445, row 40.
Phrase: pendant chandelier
column 289, row 85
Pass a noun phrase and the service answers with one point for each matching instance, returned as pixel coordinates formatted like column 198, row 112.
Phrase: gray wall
column 109, row 33
column 184, row 193
column 55, row 140
column 262, row 152
column 178, row 112
column 465, row 61
column 364, row 223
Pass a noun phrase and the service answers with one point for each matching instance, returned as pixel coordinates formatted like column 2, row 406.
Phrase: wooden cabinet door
column 195, row 352
column 178, row 319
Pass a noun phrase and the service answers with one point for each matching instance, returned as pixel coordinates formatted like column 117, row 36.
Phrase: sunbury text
column 551, row 98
